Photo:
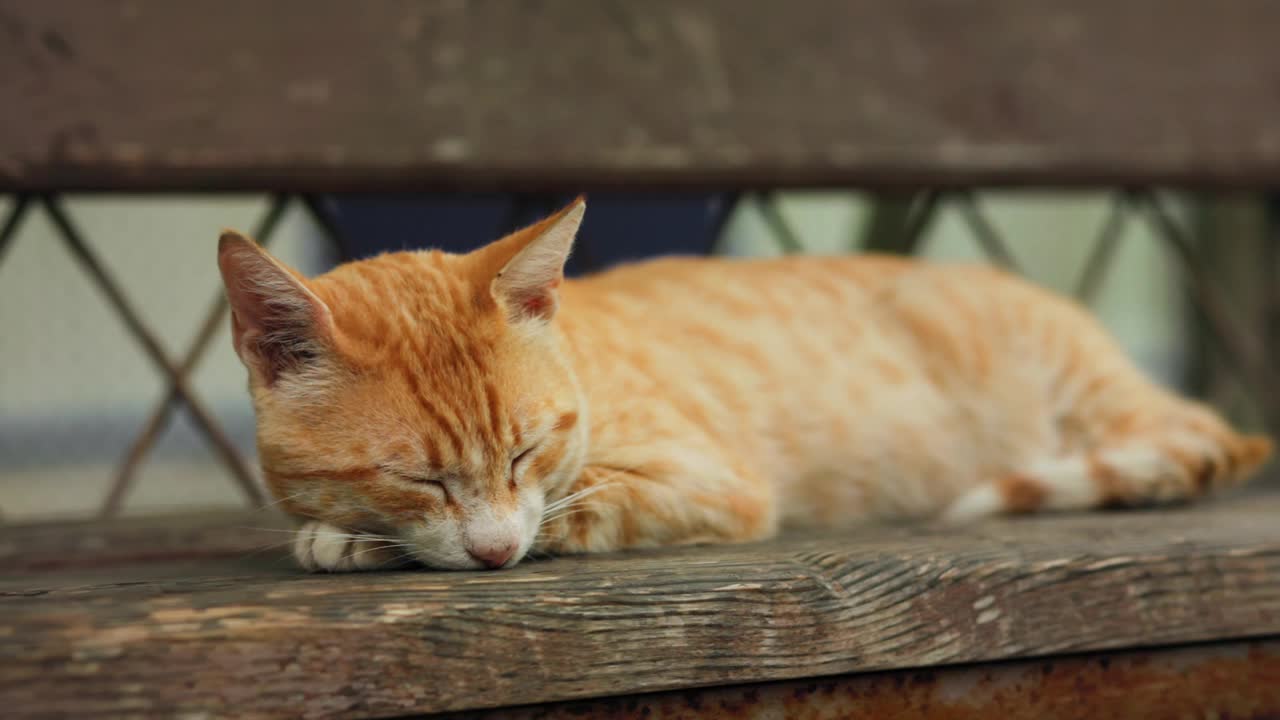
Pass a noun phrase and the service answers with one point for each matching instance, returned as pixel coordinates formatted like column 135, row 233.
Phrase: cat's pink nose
column 493, row 554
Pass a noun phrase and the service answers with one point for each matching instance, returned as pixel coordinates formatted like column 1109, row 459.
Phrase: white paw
column 321, row 547
column 977, row 503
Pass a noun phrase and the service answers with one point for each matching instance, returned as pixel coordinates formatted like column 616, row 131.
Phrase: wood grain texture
column 1225, row 680
column 118, row 545
column 275, row 644
column 401, row 95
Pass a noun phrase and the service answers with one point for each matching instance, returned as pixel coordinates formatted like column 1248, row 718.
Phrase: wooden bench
column 1163, row 613
column 402, row 96
column 191, row 615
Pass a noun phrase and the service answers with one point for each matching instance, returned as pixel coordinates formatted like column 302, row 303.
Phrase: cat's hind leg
column 1166, row 457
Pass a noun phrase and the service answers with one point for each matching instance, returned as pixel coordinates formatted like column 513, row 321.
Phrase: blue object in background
column 617, row 227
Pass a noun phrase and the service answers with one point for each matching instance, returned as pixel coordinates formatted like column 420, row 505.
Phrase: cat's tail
column 1171, row 459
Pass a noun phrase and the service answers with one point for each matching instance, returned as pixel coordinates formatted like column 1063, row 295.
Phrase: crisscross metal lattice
column 177, row 372
column 898, row 224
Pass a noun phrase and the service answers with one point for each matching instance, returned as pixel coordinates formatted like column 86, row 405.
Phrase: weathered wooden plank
column 116, row 545
column 404, row 95
column 1228, row 680
column 269, row 644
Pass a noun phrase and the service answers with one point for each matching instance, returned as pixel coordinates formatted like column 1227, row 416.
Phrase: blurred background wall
column 74, row 389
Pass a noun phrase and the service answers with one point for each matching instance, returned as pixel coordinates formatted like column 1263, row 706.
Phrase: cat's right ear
column 530, row 264
column 277, row 323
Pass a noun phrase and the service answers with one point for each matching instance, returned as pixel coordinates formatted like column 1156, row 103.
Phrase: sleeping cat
column 461, row 411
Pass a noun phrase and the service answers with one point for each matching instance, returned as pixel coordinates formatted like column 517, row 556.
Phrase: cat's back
column 806, row 321
column 659, row 276
column 711, row 283
column 809, row 290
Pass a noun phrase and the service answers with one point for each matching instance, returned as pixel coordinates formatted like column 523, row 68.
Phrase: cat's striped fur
column 443, row 407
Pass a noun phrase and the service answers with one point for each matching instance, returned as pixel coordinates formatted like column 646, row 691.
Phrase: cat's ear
column 526, row 283
column 277, row 323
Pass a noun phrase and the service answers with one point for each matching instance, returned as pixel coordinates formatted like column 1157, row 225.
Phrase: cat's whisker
column 600, row 484
column 275, row 530
column 284, row 499
column 575, row 500
column 381, row 547
column 348, row 536
column 586, row 491
column 568, row 499
column 404, row 556
column 546, row 533
column 564, row 513
column 395, row 545
column 573, row 497
column 265, row 548
column 562, row 508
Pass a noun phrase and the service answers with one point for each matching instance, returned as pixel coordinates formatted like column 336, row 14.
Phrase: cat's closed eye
column 517, row 462
column 423, row 481
column 435, row 484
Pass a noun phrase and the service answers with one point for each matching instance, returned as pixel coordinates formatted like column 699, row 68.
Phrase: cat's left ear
column 277, row 323
column 526, row 285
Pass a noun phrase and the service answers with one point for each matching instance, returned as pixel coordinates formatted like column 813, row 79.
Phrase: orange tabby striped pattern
column 463, row 411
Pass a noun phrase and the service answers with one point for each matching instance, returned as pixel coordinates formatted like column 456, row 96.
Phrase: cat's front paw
column 321, row 547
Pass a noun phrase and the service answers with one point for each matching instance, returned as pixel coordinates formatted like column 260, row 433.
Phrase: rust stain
column 1235, row 680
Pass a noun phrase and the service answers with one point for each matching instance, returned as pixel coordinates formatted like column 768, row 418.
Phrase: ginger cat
column 462, row 411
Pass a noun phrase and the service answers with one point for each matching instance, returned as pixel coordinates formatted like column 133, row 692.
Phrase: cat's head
column 421, row 395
